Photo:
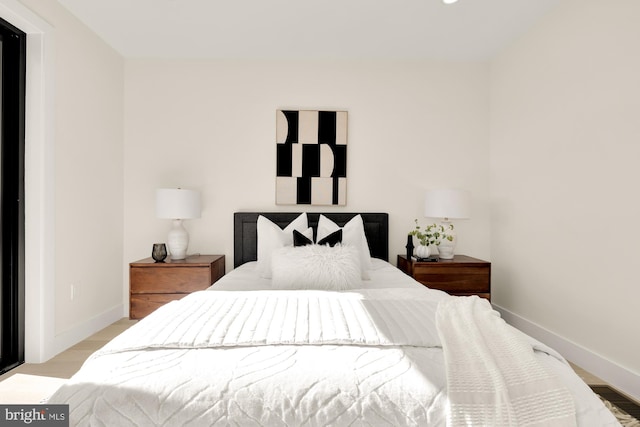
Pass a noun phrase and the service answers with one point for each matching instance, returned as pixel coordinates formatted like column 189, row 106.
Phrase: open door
column 12, row 142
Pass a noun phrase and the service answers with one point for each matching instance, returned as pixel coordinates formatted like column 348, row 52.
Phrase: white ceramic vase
column 423, row 251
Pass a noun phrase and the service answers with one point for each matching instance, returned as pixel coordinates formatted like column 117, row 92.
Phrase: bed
column 308, row 334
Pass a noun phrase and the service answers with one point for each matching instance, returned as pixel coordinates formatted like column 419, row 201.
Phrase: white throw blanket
column 493, row 377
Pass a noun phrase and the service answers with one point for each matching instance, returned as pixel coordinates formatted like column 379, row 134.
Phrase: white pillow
column 316, row 267
column 272, row 237
column 352, row 235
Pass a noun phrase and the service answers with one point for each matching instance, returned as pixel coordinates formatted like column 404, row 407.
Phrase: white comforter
column 284, row 358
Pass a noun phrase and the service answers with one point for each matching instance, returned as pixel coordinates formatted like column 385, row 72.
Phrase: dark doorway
column 13, row 44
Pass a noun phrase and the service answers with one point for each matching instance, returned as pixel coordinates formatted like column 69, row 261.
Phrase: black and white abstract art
column 311, row 157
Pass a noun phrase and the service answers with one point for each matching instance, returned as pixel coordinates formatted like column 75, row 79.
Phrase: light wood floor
column 69, row 362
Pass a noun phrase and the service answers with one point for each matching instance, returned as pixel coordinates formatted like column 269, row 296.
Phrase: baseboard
column 618, row 377
column 84, row 330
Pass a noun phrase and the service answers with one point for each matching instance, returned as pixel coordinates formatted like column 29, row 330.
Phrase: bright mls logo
column 34, row 415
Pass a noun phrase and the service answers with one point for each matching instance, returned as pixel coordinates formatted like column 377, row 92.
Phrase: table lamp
column 177, row 204
column 447, row 204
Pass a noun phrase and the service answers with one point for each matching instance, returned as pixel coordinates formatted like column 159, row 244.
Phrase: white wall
column 87, row 175
column 565, row 148
column 210, row 125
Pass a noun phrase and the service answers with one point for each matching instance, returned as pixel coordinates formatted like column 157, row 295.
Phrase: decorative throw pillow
column 272, row 237
column 332, row 239
column 352, row 235
column 300, row 239
column 316, row 267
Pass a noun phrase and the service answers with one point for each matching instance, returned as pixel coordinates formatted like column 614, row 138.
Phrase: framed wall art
column 311, row 157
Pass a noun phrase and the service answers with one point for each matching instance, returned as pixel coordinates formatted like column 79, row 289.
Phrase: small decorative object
column 431, row 258
column 409, row 246
column 159, row 252
column 447, row 204
column 423, row 251
column 177, row 204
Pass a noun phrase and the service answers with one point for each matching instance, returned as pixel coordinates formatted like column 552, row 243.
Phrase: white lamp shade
column 177, row 203
column 447, row 204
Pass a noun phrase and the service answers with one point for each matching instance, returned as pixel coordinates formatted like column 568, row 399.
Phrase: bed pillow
column 352, row 235
column 320, row 267
column 272, row 237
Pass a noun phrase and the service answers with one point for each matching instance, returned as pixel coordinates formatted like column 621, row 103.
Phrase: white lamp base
column 446, row 252
column 178, row 240
column 446, row 247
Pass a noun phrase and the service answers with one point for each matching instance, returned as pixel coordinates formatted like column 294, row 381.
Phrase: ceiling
column 309, row 29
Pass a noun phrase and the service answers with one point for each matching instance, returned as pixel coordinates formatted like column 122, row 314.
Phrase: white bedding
column 285, row 358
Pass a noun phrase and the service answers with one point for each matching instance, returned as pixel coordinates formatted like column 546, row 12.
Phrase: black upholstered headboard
column 245, row 232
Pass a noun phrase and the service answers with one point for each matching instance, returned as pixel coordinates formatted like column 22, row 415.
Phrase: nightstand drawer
column 144, row 304
column 470, row 279
column 170, row 280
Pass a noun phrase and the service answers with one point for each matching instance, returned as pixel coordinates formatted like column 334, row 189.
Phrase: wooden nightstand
column 461, row 275
column 153, row 284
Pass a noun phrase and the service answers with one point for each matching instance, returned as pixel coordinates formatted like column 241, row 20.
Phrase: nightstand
column 153, row 284
column 461, row 275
